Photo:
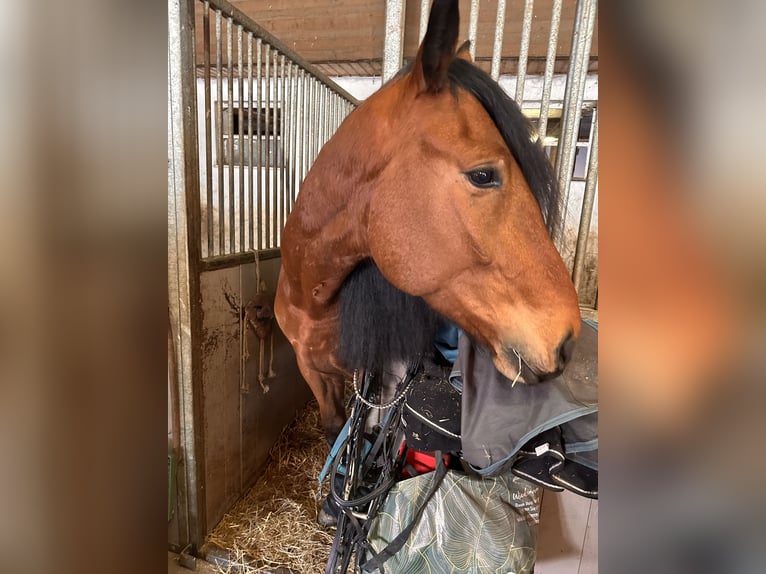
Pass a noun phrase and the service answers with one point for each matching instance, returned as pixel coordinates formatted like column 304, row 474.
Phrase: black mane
column 516, row 130
column 380, row 324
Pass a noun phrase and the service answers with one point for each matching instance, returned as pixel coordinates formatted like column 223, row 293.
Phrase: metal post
column 230, row 135
column 521, row 73
column 219, row 131
column 424, row 4
column 473, row 24
column 393, row 45
column 573, row 97
column 268, row 124
column 304, row 127
column 279, row 147
column 241, row 134
column 258, row 164
column 208, row 131
column 587, row 207
column 184, row 238
column 314, row 121
column 550, row 62
column 292, row 131
column 497, row 49
column 251, row 138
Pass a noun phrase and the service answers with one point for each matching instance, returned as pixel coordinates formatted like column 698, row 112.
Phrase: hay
column 274, row 525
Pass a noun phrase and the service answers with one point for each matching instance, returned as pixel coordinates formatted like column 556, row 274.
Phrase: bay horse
column 428, row 204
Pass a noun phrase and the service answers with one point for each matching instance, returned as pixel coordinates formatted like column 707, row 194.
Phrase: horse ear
column 438, row 47
column 464, row 52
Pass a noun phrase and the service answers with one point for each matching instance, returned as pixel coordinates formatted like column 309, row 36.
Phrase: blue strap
column 334, row 451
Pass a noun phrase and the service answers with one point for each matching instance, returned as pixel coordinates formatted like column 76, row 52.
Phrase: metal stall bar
column 315, row 122
column 333, row 113
column 284, row 111
column 290, row 170
column 587, row 207
column 241, row 141
column 266, row 161
column 208, row 132
column 259, row 146
column 310, row 118
column 270, row 116
column 424, row 8
column 279, row 149
column 298, row 119
column 304, row 126
column 326, row 115
column 497, row 48
column 311, row 132
column 273, row 134
column 579, row 59
column 550, row 63
column 250, row 155
column 184, row 246
column 219, row 130
column 320, row 120
column 287, row 119
column 526, row 31
column 323, row 115
column 318, row 116
column 230, row 132
column 393, row 45
column 473, row 25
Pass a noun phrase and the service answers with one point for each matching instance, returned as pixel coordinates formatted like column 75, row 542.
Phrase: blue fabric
column 446, row 341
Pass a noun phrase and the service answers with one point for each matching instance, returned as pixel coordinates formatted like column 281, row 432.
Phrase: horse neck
column 326, row 235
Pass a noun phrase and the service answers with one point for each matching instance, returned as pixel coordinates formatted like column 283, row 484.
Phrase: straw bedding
column 273, row 528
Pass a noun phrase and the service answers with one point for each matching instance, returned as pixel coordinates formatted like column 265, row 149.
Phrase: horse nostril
column 564, row 352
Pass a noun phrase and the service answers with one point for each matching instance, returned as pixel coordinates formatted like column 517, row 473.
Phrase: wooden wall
column 346, row 36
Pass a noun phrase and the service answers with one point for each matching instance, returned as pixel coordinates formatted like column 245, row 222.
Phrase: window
column 260, row 129
column 582, row 146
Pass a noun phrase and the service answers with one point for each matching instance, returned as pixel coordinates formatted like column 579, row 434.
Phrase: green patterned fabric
column 472, row 525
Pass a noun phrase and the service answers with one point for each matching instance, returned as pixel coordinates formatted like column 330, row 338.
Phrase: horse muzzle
column 514, row 366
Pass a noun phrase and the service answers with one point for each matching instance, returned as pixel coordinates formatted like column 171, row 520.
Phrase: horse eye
column 483, row 177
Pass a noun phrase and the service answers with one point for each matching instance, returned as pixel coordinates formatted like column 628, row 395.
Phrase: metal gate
column 247, row 117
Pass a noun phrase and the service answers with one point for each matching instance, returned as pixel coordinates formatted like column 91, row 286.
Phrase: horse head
column 436, row 179
column 452, row 217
